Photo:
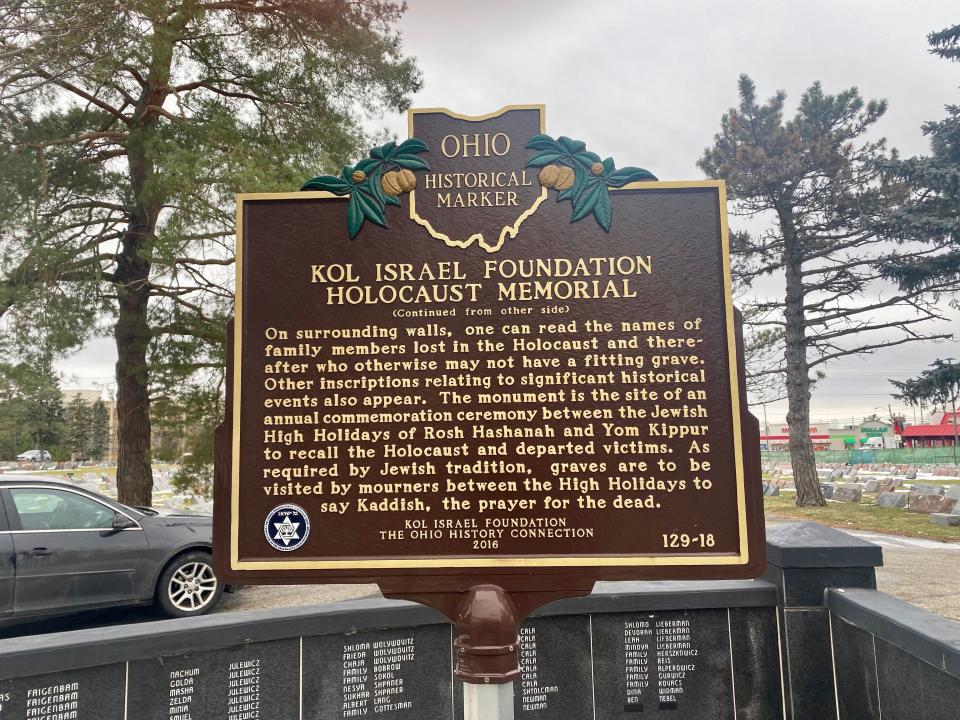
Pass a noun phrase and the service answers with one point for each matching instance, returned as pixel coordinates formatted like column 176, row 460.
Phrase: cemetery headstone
column 924, row 489
column 931, row 504
column 848, row 494
column 892, row 500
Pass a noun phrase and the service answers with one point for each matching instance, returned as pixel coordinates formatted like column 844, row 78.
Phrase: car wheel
column 188, row 586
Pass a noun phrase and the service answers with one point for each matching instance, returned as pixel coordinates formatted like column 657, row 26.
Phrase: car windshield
column 129, row 509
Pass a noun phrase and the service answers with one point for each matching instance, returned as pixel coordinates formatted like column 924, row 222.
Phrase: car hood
column 170, row 516
column 168, row 512
column 176, row 529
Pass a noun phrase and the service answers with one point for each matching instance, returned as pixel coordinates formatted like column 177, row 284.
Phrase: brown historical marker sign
column 486, row 355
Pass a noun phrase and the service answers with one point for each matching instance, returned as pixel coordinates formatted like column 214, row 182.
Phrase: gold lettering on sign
column 479, row 180
column 516, row 281
column 476, row 145
column 519, row 426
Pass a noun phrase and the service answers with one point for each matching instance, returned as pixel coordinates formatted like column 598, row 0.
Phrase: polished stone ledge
column 925, row 635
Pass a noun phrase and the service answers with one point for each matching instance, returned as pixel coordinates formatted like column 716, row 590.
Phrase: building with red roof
column 941, row 432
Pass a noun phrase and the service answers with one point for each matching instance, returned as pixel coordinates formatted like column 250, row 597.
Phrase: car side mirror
column 120, row 522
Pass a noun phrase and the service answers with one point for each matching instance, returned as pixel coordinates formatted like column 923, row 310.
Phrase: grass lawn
column 108, row 471
column 862, row 517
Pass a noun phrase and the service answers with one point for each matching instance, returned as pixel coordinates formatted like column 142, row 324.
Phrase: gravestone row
column 669, row 664
column 834, row 471
column 920, row 498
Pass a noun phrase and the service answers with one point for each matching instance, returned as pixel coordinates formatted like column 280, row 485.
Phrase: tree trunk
column 132, row 333
column 798, row 384
column 132, row 278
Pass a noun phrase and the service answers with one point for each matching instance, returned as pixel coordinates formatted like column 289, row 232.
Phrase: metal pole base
column 488, row 702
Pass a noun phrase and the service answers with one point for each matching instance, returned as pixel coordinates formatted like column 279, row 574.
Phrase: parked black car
column 64, row 549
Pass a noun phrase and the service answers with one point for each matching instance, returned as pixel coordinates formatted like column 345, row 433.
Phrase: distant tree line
column 33, row 416
column 88, row 427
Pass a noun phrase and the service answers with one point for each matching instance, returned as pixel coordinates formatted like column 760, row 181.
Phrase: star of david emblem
column 286, row 531
column 286, row 527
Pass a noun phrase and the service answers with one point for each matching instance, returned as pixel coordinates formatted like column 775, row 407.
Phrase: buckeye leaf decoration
column 580, row 176
column 375, row 182
column 329, row 183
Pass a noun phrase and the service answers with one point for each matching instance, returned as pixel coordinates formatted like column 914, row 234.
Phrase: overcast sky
column 646, row 83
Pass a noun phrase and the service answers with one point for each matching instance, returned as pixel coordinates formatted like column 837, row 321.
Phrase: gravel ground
column 926, row 578
column 262, row 597
column 922, row 572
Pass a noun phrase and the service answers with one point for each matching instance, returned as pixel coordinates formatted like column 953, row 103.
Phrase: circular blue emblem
column 287, row 527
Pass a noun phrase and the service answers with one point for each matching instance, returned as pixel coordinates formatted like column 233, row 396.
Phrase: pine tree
column 125, row 131
column 32, row 415
column 99, row 430
column 937, row 385
column 932, row 213
column 818, row 182
column 80, row 425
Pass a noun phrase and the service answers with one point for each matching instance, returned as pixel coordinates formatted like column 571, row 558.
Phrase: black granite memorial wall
column 658, row 650
column 803, row 560
column 674, row 650
column 892, row 660
column 94, row 692
column 237, row 683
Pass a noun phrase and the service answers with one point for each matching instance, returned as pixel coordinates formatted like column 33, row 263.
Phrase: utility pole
column 953, row 402
column 893, row 425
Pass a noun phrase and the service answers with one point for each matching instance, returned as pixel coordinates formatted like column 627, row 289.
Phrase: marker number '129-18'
column 675, row 540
